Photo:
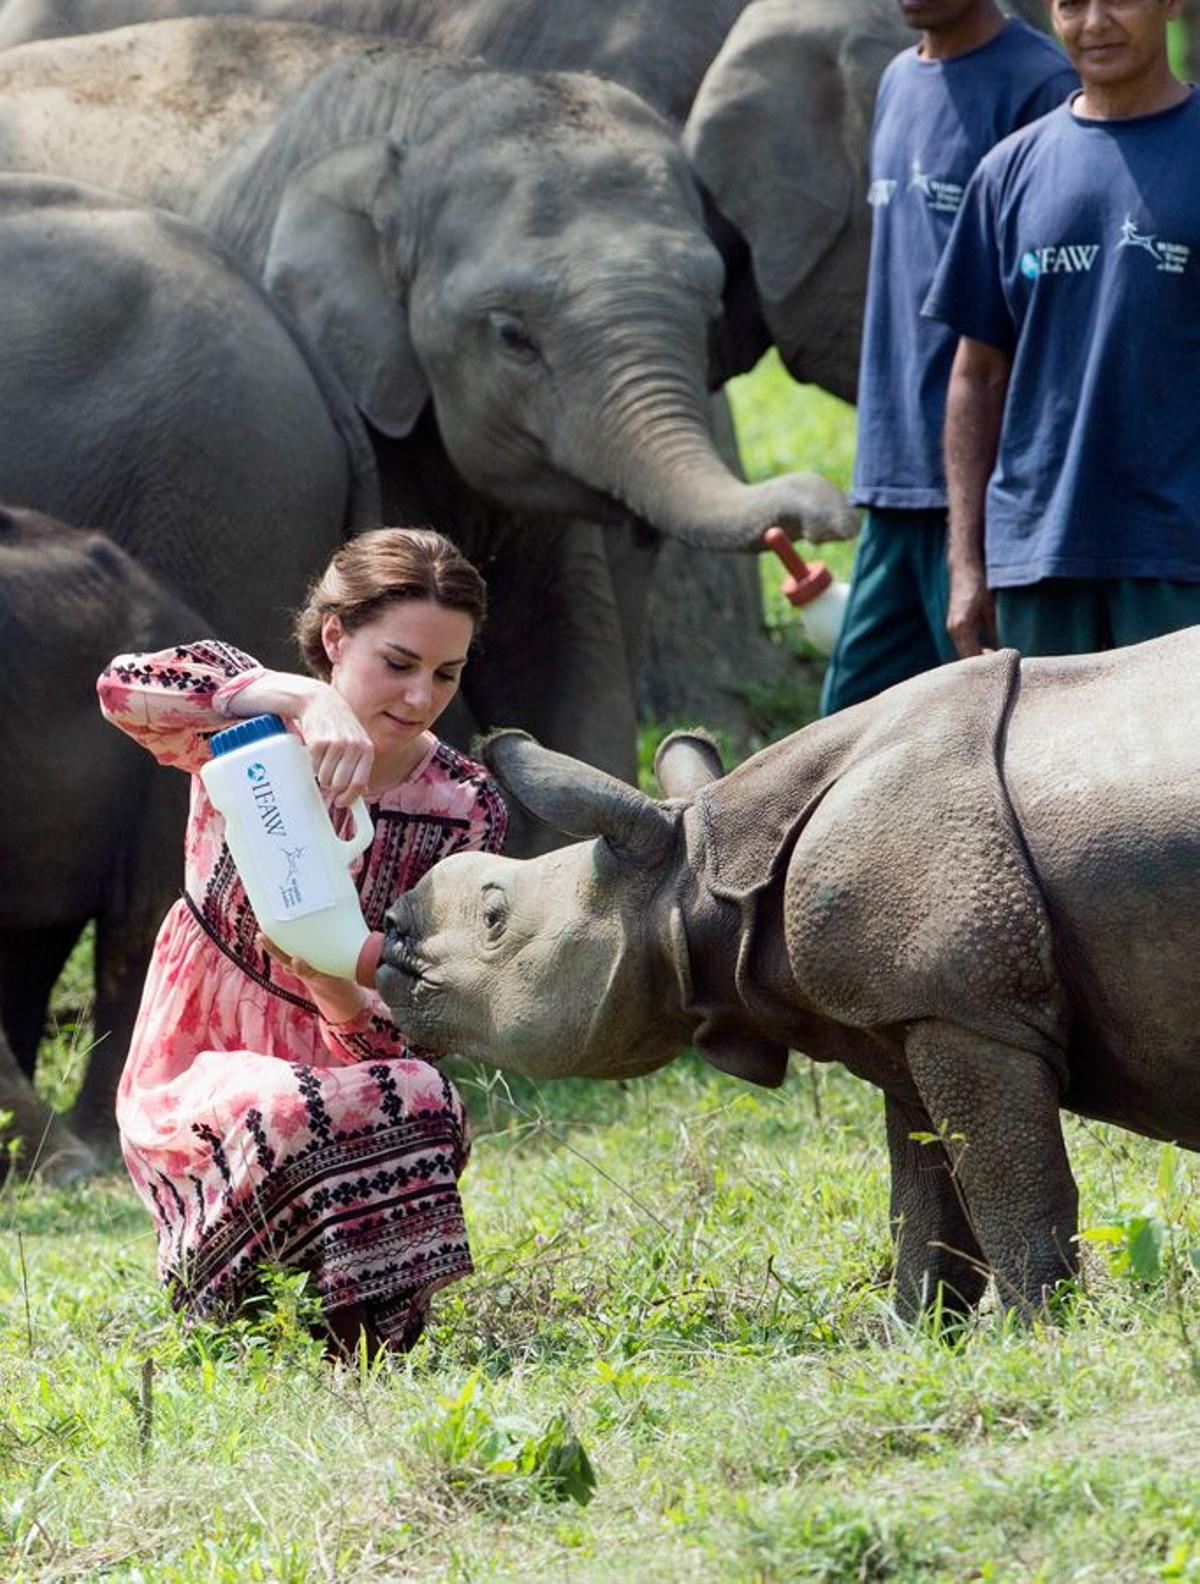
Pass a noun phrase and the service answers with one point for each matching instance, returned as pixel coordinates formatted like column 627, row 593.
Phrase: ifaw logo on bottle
column 265, row 804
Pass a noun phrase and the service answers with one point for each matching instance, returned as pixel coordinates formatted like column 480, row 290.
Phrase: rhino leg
column 998, row 1109
column 935, row 1243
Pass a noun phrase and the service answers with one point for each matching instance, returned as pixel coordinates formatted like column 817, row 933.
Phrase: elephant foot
column 98, row 1136
column 55, row 1157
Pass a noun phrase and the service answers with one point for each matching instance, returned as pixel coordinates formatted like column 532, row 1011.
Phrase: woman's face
column 399, row 671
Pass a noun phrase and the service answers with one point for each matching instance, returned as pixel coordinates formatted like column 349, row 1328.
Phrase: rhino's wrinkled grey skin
column 980, row 891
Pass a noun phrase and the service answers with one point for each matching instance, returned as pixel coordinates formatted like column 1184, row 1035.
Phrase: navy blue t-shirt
column 1078, row 251
column 934, row 122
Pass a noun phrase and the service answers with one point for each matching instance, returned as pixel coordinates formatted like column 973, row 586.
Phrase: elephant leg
column 123, row 948
column 47, row 1147
column 145, row 880
column 552, row 658
column 936, row 1247
column 30, row 963
column 632, row 550
column 997, row 1107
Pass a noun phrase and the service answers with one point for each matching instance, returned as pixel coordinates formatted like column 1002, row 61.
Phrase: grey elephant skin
column 509, row 273
column 702, row 631
column 88, row 816
column 980, row 892
column 151, row 389
column 660, row 51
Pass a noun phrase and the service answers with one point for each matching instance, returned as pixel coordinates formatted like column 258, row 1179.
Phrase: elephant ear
column 336, row 260
column 778, row 136
column 579, row 800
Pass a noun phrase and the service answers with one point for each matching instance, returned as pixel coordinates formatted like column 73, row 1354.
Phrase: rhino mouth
column 400, row 973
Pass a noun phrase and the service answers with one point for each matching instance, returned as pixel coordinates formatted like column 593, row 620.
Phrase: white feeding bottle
column 820, row 601
column 294, row 866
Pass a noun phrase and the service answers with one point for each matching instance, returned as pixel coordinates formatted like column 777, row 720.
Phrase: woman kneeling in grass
column 269, row 1112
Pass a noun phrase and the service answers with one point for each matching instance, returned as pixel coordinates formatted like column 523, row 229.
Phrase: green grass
column 681, row 1287
column 682, row 1277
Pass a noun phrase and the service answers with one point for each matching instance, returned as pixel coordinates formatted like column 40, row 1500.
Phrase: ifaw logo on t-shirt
column 1077, row 258
column 1071, row 258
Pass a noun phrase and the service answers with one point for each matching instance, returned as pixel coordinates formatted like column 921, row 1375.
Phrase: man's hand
column 971, row 617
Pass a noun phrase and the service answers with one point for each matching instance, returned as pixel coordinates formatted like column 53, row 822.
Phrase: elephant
column 978, row 891
column 778, row 134
column 767, row 154
column 521, row 319
column 152, row 390
column 88, row 817
column 660, row 55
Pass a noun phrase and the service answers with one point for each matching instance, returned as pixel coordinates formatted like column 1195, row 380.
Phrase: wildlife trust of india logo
column 1077, row 258
column 1170, row 258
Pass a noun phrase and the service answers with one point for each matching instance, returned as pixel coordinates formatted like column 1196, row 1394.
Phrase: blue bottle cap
column 253, row 729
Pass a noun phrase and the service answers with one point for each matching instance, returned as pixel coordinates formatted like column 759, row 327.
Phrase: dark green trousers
column 895, row 622
column 1061, row 616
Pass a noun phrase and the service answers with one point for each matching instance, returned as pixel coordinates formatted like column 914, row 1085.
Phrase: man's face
column 1111, row 42
column 932, row 15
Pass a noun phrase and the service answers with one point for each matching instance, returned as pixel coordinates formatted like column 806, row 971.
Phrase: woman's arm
column 172, row 700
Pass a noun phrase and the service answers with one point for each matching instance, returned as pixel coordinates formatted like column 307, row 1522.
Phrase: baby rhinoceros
column 979, row 891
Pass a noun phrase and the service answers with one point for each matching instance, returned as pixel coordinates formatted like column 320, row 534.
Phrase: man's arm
column 974, row 410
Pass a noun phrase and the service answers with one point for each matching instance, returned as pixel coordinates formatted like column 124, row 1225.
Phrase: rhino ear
column 335, row 261
column 578, row 799
column 757, row 1061
column 686, row 761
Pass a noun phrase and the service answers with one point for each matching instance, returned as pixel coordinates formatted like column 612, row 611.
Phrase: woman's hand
column 338, row 1000
column 338, row 744
column 341, row 751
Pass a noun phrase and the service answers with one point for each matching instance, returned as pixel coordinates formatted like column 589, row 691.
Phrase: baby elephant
column 86, row 821
column 979, row 891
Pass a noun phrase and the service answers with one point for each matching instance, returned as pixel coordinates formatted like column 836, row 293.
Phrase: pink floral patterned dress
column 253, row 1129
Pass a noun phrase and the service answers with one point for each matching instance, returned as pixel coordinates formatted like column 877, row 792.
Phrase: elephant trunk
column 650, row 445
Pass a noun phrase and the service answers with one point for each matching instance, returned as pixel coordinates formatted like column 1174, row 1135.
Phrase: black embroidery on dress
column 251, row 972
column 254, row 1126
column 390, row 1102
column 223, row 658
column 314, row 1104
column 213, row 1140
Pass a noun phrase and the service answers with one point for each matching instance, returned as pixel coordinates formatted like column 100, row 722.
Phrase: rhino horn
column 687, row 761
column 577, row 799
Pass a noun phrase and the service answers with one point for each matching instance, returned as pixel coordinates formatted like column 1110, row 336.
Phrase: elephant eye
column 512, row 336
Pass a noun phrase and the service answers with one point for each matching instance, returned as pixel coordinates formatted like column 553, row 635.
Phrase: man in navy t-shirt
column 1073, row 420
column 972, row 79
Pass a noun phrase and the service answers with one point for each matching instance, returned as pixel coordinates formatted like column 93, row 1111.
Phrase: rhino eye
column 495, row 914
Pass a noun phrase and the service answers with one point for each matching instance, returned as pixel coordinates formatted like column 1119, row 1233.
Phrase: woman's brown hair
column 382, row 567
